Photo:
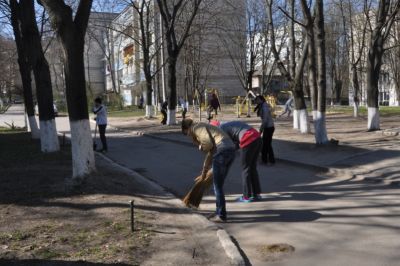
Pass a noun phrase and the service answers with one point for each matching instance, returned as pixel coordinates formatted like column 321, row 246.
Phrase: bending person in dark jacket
column 249, row 141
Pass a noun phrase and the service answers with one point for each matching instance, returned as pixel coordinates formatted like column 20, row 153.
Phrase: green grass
column 384, row 110
column 131, row 111
column 47, row 253
column 126, row 113
column 12, row 129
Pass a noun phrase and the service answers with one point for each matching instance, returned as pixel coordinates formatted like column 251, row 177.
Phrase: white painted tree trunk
column 315, row 115
column 296, row 119
column 82, row 149
column 48, row 136
column 321, row 136
column 356, row 108
column 171, row 117
column 33, row 127
column 149, row 111
column 373, row 119
column 300, row 121
column 304, row 125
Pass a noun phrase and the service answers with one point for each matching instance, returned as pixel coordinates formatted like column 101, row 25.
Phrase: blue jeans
column 222, row 160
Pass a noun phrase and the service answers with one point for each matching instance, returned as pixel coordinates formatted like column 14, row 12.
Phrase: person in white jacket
column 101, row 120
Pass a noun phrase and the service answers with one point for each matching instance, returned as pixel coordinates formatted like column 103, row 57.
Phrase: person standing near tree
column 101, row 120
column 183, row 104
column 220, row 155
column 164, row 108
column 267, row 129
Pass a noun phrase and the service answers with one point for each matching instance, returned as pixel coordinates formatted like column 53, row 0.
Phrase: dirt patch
column 275, row 252
column 43, row 221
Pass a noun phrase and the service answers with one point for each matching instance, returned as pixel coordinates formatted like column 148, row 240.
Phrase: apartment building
column 124, row 73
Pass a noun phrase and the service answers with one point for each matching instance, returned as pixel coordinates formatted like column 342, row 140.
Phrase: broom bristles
column 195, row 195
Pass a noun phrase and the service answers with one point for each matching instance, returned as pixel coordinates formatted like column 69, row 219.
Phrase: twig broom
column 195, row 195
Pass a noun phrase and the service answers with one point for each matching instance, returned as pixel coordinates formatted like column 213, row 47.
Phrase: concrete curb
column 230, row 248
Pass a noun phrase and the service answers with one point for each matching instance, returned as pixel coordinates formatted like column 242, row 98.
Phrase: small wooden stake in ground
column 132, row 216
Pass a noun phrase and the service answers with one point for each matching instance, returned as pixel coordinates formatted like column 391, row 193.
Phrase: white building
column 126, row 74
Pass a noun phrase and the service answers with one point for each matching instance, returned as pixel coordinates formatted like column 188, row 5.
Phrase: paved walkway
column 323, row 205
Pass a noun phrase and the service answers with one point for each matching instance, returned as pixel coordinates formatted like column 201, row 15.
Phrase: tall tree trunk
column 149, row 96
column 384, row 19
column 44, row 91
column 24, row 69
column 171, row 118
column 81, row 139
column 71, row 33
column 356, row 88
column 373, row 70
column 312, row 72
column 321, row 136
column 300, row 116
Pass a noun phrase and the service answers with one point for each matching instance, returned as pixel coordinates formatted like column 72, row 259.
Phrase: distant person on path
column 220, row 155
column 184, row 107
column 249, row 141
column 141, row 102
column 288, row 107
column 213, row 105
column 164, row 108
column 267, row 129
column 101, row 120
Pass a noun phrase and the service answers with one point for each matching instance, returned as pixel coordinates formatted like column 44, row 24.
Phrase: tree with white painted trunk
column 71, row 33
column 312, row 61
column 384, row 18
column 144, row 9
column 24, row 66
column 321, row 136
column 44, row 92
column 177, row 18
column 355, row 34
column 300, row 115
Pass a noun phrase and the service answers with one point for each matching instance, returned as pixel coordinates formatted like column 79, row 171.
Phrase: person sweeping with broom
column 101, row 120
column 220, row 155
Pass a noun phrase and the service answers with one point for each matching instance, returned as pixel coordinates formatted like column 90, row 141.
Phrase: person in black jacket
column 164, row 108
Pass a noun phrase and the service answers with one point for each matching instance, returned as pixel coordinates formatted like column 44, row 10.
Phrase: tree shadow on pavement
column 261, row 216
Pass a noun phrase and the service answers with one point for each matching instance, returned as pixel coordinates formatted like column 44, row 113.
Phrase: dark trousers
column 209, row 111
column 222, row 161
column 267, row 153
column 102, row 132
column 184, row 110
column 251, row 182
column 164, row 118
